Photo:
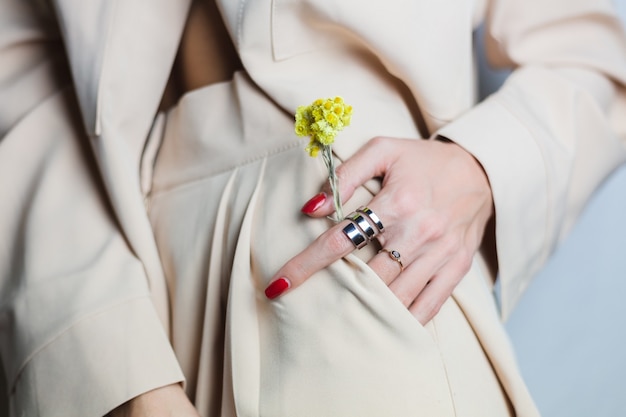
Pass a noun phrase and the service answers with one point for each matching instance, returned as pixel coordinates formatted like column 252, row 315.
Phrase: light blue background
column 570, row 328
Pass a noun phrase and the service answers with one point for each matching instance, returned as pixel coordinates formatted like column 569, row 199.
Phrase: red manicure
column 313, row 204
column 277, row 287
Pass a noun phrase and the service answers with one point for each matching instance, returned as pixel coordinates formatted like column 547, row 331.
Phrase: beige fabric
column 83, row 296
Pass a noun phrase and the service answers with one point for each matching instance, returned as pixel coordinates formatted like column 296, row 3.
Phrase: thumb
column 372, row 160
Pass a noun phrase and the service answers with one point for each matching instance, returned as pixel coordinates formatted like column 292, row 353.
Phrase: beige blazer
column 83, row 302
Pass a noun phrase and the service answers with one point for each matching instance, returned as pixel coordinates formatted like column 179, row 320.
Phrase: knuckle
column 434, row 309
column 451, row 246
column 405, row 298
column 347, row 179
column 464, row 260
column 405, row 203
column 378, row 141
column 431, row 307
column 298, row 272
column 335, row 242
column 342, row 172
column 433, row 228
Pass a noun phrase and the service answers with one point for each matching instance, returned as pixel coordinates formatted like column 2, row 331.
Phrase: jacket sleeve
column 79, row 334
column 554, row 130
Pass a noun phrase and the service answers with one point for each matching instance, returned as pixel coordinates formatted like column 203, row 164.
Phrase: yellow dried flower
column 321, row 121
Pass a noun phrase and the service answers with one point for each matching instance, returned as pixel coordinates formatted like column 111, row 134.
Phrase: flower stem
column 327, row 155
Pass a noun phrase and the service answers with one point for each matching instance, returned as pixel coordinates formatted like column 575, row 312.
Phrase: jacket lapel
column 121, row 52
column 84, row 25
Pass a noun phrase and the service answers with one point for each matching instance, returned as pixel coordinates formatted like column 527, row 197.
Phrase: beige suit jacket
column 83, row 302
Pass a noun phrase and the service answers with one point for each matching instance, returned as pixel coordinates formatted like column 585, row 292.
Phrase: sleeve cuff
column 98, row 364
column 514, row 165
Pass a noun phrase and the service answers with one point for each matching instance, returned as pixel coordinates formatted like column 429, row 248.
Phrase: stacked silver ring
column 364, row 226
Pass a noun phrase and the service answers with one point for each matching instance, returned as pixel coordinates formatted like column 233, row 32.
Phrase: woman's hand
column 168, row 401
column 434, row 203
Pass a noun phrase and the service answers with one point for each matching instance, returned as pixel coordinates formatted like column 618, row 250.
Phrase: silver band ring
column 363, row 224
column 355, row 235
column 395, row 255
column 373, row 217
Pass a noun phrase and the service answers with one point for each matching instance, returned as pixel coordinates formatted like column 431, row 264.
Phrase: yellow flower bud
column 313, row 149
column 332, row 119
column 302, row 129
column 321, row 121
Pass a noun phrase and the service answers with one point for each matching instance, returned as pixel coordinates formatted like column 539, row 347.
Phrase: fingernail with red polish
column 313, row 204
column 277, row 287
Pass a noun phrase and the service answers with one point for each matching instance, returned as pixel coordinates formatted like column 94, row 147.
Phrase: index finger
column 329, row 247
